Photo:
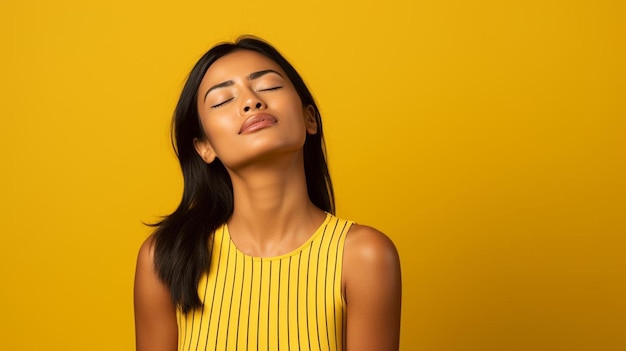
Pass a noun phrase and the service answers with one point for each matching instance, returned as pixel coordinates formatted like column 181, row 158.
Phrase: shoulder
column 146, row 276
column 145, row 257
column 369, row 254
column 146, row 251
column 372, row 288
column 155, row 314
column 365, row 244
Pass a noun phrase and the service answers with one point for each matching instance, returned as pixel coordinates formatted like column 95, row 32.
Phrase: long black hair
column 182, row 252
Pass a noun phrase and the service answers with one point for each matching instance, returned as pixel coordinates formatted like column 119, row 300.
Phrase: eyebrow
column 251, row 76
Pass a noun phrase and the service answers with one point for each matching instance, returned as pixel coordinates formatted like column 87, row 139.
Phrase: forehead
column 237, row 65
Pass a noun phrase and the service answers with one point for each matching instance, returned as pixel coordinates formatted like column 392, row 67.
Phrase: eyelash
column 221, row 103
column 268, row 89
column 272, row 88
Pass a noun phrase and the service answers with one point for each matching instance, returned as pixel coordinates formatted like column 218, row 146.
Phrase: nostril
column 258, row 105
column 246, row 109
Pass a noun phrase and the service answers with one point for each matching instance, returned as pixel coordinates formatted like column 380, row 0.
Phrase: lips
column 256, row 122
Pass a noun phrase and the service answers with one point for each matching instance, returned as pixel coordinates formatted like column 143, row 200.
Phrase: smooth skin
column 267, row 171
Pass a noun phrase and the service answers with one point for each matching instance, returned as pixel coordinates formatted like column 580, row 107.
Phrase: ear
column 204, row 149
column 309, row 119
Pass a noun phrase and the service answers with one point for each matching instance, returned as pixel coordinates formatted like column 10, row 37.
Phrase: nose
column 252, row 101
column 257, row 106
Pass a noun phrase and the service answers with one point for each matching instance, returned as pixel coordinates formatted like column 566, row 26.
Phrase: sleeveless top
column 288, row 302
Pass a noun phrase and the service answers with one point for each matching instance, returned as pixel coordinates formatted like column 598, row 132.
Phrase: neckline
column 297, row 250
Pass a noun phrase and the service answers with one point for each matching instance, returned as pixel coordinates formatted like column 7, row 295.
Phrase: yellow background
column 487, row 138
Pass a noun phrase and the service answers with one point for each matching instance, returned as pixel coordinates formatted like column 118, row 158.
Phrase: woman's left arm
column 373, row 291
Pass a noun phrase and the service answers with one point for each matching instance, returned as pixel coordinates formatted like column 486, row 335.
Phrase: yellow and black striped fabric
column 289, row 302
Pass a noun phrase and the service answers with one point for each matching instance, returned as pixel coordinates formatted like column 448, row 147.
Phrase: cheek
column 218, row 128
column 295, row 111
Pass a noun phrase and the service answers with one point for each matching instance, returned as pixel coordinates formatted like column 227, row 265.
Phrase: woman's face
column 250, row 110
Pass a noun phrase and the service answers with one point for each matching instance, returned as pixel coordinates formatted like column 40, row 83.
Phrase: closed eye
column 221, row 103
column 270, row 89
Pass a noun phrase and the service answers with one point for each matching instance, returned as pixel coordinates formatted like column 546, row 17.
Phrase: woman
column 253, row 258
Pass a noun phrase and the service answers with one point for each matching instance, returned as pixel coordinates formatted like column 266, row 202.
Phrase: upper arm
column 155, row 315
column 372, row 289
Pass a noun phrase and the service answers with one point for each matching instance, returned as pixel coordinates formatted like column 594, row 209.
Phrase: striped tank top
column 289, row 302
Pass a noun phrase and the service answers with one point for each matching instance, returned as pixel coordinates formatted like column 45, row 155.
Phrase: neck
column 271, row 204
